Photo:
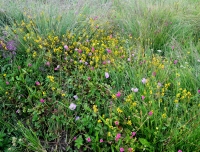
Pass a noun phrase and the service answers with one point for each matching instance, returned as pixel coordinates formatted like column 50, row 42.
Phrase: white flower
column 144, row 80
column 106, row 75
column 75, row 97
column 72, row 106
column 159, row 51
column 134, row 89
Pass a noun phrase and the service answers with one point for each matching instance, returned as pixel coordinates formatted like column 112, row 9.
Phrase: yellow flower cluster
column 183, row 94
column 51, row 78
column 95, row 109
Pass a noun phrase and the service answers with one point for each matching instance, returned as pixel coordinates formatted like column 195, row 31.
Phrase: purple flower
column 72, row 106
column 77, row 118
column 118, row 94
column 11, row 45
column 106, row 75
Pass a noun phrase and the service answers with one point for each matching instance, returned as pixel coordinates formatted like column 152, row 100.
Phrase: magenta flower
column 133, row 134
column 101, row 140
column 42, row 100
column 106, row 75
column 93, row 49
column 108, row 50
column 198, row 91
column 58, row 67
column 121, row 149
column 88, row 139
column 79, row 51
column 37, row 83
column 150, row 113
column 118, row 94
column 29, row 64
column 66, row 47
column 143, row 97
column 72, row 106
column 74, row 138
column 89, row 78
column 117, row 136
column 179, row 150
column 175, row 61
column 7, row 83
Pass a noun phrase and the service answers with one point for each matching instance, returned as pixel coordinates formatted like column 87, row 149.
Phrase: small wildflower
column 18, row 111
column 7, row 83
column 198, row 91
column 144, row 80
column 48, row 63
column 29, row 64
column 134, row 89
column 116, row 123
column 119, row 110
column 99, row 121
column 74, row 138
column 89, row 78
column 108, row 50
column 130, row 149
column 159, row 51
column 129, row 122
column 150, row 113
column 179, row 150
column 72, row 106
column 121, row 149
column 154, row 74
column 66, row 47
column 101, row 140
column 77, row 118
column 118, row 94
column 42, row 100
column 175, row 61
column 75, row 97
column 106, row 75
column 172, row 47
column 117, row 137
column 88, row 139
column 129, row 59
column 37, row 83
column 143, row 97
column 133, row 134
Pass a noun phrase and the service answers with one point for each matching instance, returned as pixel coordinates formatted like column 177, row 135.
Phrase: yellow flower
column 4, row 75
column 134, row 104
column 99, row 121
column 63, row 95
column 109, row 134
column 114, row 96
column 164, row 115
column 95, row 108
column 119, row 110
column 129, row 122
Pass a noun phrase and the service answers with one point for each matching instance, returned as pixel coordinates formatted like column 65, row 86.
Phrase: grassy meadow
column 100, row 75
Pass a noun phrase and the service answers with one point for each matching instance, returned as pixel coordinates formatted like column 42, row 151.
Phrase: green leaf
column 144, row 142
column 79, row 142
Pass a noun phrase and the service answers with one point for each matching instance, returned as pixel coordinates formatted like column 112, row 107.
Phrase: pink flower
column 88, row 139
column 179, row 150
column 106, row 75
column 175, row 61
column 74, row 138
column 143, row 97
column 150, row 113
column 154, row 74
column 117, row 137
column 118, row 94
column 133, row 134
column 101, row 140
column 42, row 100
column 48, row 63
column 29, row 64
column 93, row 49
column 108, row 50
column 130, row 149
column 172, row 47
column 7, row 83
column 58, row 67
column 89, row 78
column 116, row 123
column 37, row 83
column 198, row 91
column 121, row 149
column 66, row 47
column 79, row 51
